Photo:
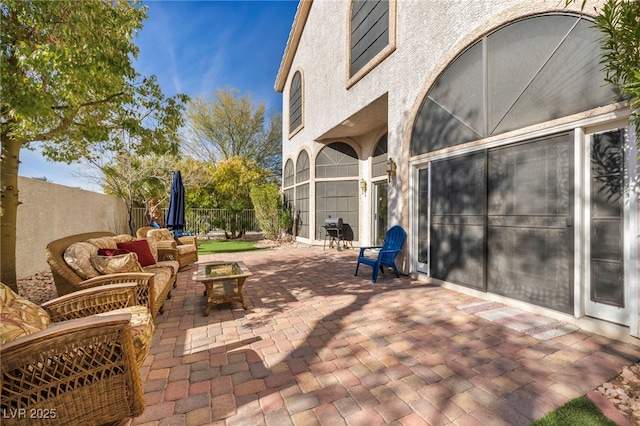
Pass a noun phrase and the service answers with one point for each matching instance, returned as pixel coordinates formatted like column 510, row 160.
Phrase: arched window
column 288, row 174
column 379, row 161
column 295, row 102
column 302, row 167
column 336, row 160
column 369, row 32
column 530, row 71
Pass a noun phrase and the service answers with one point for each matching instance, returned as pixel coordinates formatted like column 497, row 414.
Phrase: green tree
column 68, row 83
column 198, row 180
column 133, row 178
column 271, row 217
column 227, row 125
column 232, row 182
column 620, row 26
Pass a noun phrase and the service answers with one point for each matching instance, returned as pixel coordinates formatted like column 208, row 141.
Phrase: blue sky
column 196, row 47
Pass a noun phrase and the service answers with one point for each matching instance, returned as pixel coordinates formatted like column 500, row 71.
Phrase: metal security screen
column 606, row 218
column 530, row 222
column 457, row 219
column 302, row 209
column 338, row 199
column 369, row 31
column 529, row 71
column 295, row 102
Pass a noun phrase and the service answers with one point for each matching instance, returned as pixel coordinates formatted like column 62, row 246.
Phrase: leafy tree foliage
column 68, row 83
column 619, row 22
column 227, row 125
column 133, row 178
column 271, row 217
column 198, row 180
column 232, row 182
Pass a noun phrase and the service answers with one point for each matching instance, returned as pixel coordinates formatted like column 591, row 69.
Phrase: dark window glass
column 302, row 167
column 338, row 199
column 302, row 210
column 369, row 31
column 288, row 173
column 379, row 161
column 458, row 201
column 527, row 72
column 607, row 285
column 295, row 102
column 336, row 160
column 529, row 222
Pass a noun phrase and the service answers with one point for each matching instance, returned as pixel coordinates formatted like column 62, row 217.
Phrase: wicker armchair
column 78, row 370
column 67, row 281
column 186, row 246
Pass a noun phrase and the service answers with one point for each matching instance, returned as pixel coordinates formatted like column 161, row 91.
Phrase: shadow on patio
column 320, row 346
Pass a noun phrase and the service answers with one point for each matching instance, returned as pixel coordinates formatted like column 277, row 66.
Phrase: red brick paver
column 320, row 346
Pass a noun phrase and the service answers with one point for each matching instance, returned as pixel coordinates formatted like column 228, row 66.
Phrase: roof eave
column 292, row 44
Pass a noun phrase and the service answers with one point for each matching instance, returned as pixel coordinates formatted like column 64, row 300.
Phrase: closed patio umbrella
column 175, row 213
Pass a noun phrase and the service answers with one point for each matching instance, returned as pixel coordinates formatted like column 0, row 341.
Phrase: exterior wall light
column 391, row 169
column 363, row 186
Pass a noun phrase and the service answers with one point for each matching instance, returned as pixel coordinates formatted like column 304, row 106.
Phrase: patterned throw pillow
column 116, row 264
column 122, row 238
column 19, row 316
column 78, row 256
column 103, row 242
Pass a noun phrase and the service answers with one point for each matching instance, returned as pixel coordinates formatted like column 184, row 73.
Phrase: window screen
column 295, row 102
column 302, row 167
column 302, row 208
column 527, row 72
column 458, row 202
column 337, row 160
column 607, row 185
column 369, row 31
column 338, row 199
column 288, row 173
column 530, row 222
column 379, row 161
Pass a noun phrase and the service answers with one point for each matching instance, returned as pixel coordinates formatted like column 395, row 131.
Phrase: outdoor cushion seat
column 77, row 357
column 186, row 246
column 73, row 262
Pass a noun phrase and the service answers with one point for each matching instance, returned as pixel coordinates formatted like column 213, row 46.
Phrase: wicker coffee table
column 223, row 282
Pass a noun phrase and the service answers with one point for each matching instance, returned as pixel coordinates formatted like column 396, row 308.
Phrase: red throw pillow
column 141, row 248
column 112, row 252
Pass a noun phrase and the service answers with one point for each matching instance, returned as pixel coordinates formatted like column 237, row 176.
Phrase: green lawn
column 225, row 246
column 578, row 412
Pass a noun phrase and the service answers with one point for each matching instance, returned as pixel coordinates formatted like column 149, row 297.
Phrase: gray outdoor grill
column 333, row 231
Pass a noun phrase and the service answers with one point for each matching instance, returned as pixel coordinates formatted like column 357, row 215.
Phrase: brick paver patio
column 320, row 346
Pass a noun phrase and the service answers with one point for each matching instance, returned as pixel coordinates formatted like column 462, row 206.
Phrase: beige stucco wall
column 50, row 211
column 429, row 34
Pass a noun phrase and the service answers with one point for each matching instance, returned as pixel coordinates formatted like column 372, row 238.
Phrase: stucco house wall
column 50, row 211
column 426, row 37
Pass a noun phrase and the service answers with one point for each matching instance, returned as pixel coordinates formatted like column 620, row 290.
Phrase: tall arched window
column 337, row 187
column 287, row 186
column 527, row 72
column 295, row 102
column 379, row 161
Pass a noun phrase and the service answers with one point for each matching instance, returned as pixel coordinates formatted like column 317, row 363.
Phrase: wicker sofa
column 76, row 359
column 154, row 283
column 185, row 246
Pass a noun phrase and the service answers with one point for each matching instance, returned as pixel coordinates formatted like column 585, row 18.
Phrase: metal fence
column 201, row 221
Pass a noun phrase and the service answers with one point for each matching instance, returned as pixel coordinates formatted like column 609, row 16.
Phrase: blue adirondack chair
column 386, row 254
